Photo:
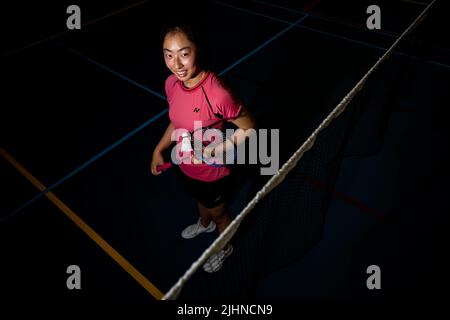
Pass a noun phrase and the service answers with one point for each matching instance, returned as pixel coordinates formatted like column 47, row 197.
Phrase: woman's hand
column 196, row 158
column 157, row 160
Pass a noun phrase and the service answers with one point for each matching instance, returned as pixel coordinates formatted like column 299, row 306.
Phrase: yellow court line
column 6, row 54
column 143, row 281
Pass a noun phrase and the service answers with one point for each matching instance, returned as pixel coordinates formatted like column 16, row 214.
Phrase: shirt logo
column 196, row 109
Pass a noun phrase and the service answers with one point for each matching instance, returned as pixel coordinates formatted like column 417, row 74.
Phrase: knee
column 218, row 213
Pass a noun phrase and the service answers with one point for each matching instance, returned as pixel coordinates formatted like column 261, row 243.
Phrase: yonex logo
column 196, row 109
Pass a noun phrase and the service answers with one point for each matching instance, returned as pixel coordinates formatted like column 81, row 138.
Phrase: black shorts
column 209, row 194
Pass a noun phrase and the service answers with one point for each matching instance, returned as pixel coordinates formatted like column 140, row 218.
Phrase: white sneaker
column 215, row 262
column 197, row 228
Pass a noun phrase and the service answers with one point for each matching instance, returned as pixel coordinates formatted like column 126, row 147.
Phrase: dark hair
column 193, row 36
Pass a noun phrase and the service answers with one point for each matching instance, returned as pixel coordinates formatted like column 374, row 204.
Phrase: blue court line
column 112, row 71
column 264, row 44
column 127, row 136
column 320, row 17
column 83, row 25
column 86, row 164
column 439, row 64
column 386, row 33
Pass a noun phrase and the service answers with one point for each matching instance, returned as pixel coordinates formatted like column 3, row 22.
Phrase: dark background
column 373, row 190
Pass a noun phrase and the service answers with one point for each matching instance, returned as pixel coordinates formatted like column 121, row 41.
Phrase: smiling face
column 180, row 57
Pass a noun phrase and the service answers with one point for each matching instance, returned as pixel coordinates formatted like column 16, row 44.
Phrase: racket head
column 207, row 136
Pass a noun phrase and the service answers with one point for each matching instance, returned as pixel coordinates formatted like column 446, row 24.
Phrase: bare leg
column 205, row 218
column 221, row 216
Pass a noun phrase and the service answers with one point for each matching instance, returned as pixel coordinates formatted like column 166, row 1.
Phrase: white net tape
column 277, row 178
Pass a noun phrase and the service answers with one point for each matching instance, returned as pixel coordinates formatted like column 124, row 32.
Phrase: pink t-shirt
column 187, row 105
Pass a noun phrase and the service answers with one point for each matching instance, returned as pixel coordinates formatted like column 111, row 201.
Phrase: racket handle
column 163, row 167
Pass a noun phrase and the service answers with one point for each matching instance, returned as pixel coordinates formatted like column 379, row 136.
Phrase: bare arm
column 164, row 143
column 245, row 124
column 245, row 120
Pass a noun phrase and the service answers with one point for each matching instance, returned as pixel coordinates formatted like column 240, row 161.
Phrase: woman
column 196, row 94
